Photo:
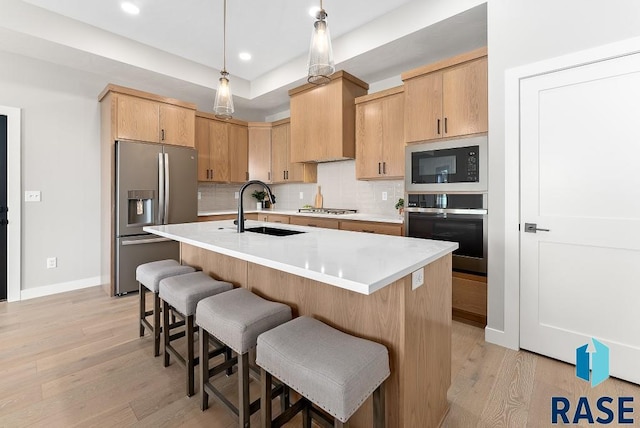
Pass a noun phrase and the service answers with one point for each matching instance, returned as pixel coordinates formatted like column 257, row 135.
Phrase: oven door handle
column 458, row 211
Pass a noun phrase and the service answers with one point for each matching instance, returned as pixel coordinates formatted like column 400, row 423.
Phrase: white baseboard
column 499, row 337
column 47, row 290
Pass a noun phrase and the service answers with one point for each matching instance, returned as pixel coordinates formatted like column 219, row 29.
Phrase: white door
column 580, row 178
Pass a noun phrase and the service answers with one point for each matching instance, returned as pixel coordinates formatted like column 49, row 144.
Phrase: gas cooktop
column 336, row 211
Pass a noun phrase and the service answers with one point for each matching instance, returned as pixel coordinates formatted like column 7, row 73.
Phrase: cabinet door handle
column 312, row 225
column 269, row 176
column 368, row 231
column 379, row 168
column 438, row 126
column 163, row 135
column 445, row 125
column 207, row 174
column 284, row 175
column 287, row 174
column 211, row 174
column 384, row 167
column 246, row 174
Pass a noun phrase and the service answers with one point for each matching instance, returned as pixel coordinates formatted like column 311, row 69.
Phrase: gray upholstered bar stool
column 235, row 318
column 331, row 369
column 182, row 293
column 149, row 276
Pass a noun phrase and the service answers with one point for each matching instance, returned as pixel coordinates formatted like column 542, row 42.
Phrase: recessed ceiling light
column 245, row 56
column 130, row 8
column 313, row 11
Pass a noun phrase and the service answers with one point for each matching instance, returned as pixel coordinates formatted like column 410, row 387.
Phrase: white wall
column 521, row 32
column 60, row 157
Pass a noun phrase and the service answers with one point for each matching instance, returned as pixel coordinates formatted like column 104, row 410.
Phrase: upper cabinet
column 260, row 151
column 223, row 149
column 141, row 116
column 446, row 99
column 379, row 135
column 323, row 119
column 238, row 153
column 283, row 170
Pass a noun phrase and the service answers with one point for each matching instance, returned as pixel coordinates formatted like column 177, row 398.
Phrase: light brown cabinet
column 323, row 119
column 273, row 218
column 260, row 151
column 142, row 119
column 213, row 150
column 379, row 135
column 469, row 298
column 447, row 99
column 238, row 153
column 282, row 169
column 372, row 227
column 223, row 150
column 327, row 223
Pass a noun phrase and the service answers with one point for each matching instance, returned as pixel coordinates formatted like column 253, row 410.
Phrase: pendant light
column 321, row 64
column 223, row 105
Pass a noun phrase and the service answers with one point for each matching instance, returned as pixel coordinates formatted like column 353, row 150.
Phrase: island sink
column 273, row 231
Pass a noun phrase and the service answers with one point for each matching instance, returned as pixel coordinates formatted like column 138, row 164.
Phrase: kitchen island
column 357, row 282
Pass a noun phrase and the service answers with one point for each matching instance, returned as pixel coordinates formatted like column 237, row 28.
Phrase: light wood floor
column 75, row 359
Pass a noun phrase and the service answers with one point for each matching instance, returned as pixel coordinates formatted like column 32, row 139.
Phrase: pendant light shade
column 321, row 64
column 223, row 104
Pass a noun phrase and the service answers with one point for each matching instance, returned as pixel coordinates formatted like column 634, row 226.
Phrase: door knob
column 533, row 228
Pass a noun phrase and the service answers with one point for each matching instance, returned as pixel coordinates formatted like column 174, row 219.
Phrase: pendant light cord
column 224, row 38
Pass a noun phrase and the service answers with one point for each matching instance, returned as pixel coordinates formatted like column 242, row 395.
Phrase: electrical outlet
column 301, row 195
column 52, row 262
column 236, row 195
column 417, row 278
column 384, row 196
column 32, row 196
column 199, row 195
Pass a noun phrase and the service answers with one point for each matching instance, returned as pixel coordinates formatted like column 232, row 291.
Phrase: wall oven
column 460, row 218
column 447, row 166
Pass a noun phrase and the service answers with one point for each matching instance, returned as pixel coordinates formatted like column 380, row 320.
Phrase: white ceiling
column 174, row 48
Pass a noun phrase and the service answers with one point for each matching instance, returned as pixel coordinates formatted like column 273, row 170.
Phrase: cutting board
column 318, row 199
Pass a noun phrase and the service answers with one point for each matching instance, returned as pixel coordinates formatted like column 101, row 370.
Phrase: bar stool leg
column 156, row 324
column 190, row 356
column 165, row 333
column 306, row 417
column 227, row 357
column 284, row 398
column 243, row 390
column 379, row 407
column 142, row 290
column 265, row 398
column 204, row 368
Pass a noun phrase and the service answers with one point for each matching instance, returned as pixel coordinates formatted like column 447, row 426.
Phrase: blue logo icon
column 599, row 363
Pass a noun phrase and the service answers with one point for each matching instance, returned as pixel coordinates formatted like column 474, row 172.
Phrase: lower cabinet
column 217, row 217
column 327, row 223
column 469, row 298
column 273, row 218
column 372, row 227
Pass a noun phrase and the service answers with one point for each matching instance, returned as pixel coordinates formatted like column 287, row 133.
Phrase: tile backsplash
column 339, row 189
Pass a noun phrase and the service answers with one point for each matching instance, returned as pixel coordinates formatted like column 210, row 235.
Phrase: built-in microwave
column 447, row 166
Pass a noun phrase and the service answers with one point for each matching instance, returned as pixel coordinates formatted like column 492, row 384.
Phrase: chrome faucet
column 240, row 219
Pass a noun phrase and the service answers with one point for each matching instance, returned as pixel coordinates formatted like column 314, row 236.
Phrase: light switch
column 384, row 196
column 32, row 196
column 199, row 195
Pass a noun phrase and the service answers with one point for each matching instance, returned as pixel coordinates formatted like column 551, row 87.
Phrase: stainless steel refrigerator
column 155, row 184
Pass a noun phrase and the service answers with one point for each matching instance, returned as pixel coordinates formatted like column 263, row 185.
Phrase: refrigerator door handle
column 161, row 180
column 166, row 188
column 144, row 241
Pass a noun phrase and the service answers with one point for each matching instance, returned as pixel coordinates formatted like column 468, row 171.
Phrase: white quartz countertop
column 356, row 261
column 357, row 216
